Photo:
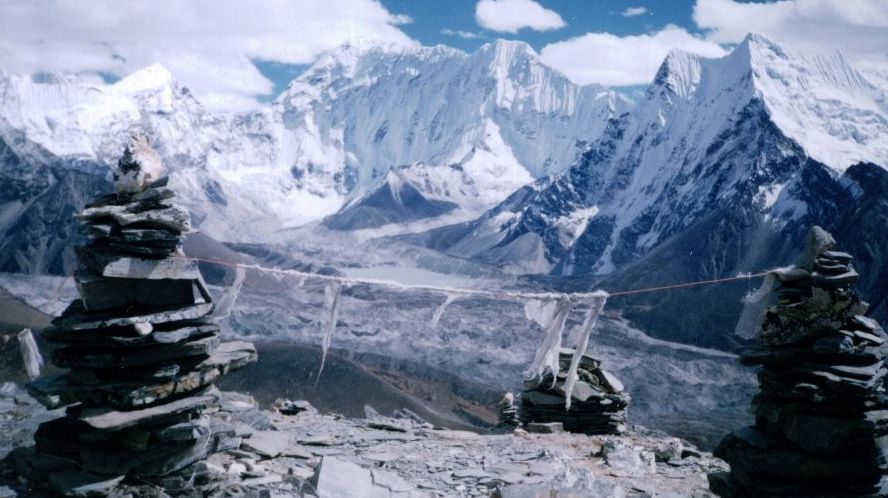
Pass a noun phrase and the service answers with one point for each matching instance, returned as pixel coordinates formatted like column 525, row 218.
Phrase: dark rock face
column 598, row 402
column 38, row 198
column 388, row 203
column 143, row 352
column 822, row 413
column 732, row 239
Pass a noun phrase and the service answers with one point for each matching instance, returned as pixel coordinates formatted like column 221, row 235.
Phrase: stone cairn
column 508, row 412
column 141, row 347
column 821, row 426
column 598, row 404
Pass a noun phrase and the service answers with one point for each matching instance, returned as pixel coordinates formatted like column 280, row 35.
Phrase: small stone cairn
column 598, row 404
column 141, row 347
column 821, row 427
column 508, row 412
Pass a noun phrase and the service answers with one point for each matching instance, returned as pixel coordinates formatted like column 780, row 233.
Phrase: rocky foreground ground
column 295, row 451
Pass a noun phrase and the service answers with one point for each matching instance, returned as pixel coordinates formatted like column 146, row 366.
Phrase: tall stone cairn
column 140, row 345
column 598, row 401
column 821, row 417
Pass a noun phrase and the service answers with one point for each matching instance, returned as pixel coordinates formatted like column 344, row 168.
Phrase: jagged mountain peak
column 367, row 57
column 679, row 74
column 821, row 101
column 505, row 53
column 151, row 77
column 745, row 130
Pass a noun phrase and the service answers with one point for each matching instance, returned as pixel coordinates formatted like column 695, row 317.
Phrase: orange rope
column 688, row 284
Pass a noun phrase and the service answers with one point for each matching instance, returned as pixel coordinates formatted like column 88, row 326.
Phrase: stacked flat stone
column 598, row 404
column 821, row 425
column 508, row 412
column 142, row 351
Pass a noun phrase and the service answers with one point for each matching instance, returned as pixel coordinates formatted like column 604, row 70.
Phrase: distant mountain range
column 719, row 168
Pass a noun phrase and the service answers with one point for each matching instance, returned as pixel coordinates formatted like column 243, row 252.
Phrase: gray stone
column 846, row 278
column 627, row 458
column 128, row 337
column 172, row 268
column 545, row 427
column 77, row 318
column 89, row 358
column 288, row 407
column 842, row 257
column 611, row 382
column 108, row 419
column 338, row 478
column 171, row 217
column 834, row 344
column 582, row 391
column 865, row 323
column 193, row 430
column 80, row 484
column 817, row 242
column 668, row 449
column 869, row 337
column 267, row 443
column 101, row 293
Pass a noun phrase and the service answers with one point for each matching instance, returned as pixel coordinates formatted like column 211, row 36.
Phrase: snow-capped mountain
column 722, row 167
column 469, row 129
column 490, row 122
column 733, row 131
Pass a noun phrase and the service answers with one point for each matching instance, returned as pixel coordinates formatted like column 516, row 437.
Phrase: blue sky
column 235, row 54
column 581, row 16
column 455, row 23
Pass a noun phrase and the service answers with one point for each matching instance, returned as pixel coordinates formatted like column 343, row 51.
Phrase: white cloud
column 857, row 28
column 467, row 35
column 509, row 16
column 207, row 45
column 612, row 60
column 634, row 11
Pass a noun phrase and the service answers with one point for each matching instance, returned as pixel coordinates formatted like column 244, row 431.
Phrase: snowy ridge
column 710, row 134
column 832, row 110
column 498, row 114
column 383, row 107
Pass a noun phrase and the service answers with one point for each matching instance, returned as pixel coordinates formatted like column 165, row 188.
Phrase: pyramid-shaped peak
column 154, row 76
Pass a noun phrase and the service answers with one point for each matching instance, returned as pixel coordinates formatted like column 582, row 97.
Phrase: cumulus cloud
column 510, row 16
column 612, row 60
column 207, row 45
column 857, row 28
column 634, row 11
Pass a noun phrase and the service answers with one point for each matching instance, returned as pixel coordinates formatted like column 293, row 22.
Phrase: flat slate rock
column 848, row 277
column 77, row 318
column 115, row 266
column 154, row 192
column 101, row 293
column 112, row 420
column 172, row 217
column 339, row 478
column 125, row 357
column 128, row 394
column 545, row 427
column 128, row 338
column 81, row 484
column 268, row 444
